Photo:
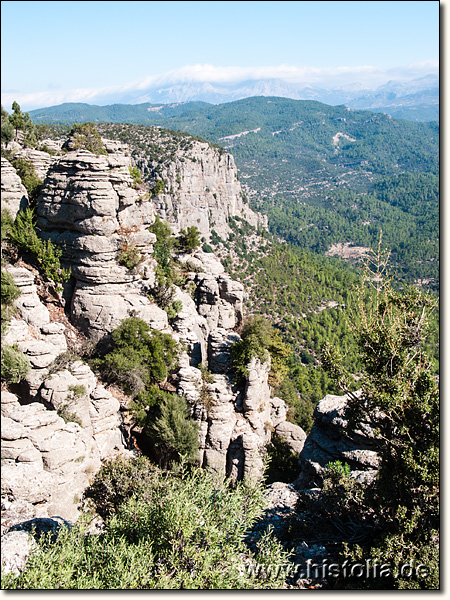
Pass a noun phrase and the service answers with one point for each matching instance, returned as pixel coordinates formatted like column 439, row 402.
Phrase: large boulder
column 330, row 440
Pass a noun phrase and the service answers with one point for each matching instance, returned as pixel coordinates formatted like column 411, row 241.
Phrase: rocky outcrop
column 330, row 440
column 40, row 160
column 65, row 424
column 204, row 191
column 48, row 459
column 14, row 195
column 89, row 206
column 200, row 185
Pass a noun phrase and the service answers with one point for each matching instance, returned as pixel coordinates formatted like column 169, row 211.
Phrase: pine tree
column 400, row 398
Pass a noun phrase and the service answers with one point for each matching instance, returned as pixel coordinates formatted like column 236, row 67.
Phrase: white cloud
column 365, row 75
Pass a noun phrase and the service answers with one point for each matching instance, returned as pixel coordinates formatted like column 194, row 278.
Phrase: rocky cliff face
column 201, row 185
column 62, row 422
column 205, row 192
column 14, row 194
column 89, row 206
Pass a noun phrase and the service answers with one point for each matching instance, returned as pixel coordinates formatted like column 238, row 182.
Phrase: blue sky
column 81, row 51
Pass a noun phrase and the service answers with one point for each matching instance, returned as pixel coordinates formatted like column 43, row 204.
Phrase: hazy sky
column 55, row 52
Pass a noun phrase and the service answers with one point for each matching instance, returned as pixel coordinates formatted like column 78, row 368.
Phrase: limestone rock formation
column 89, row 206
column 16, row 548
column 61, row 422
column 40, row 160
column 65, row 424
column 330, row 440
column 204, row 191
column 193, row 182
column 14, row 194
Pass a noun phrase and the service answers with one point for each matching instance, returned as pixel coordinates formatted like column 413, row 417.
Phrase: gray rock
column 16, row 548
column 292, row 435
column 330, row 440
column 13, row 193
column 204, row 191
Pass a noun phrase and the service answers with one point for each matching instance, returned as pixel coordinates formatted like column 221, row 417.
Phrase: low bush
column 173, row 432
column 189, row 239
column 139, row 359
column 28, row 176
column 158, row 188
column 259, row 339
column 86, row 136
column 9, row 293
column 24, row 236
column 161, row 531
column 173, row 310
column 136, row 175
column 282, row 461
column 14, row 364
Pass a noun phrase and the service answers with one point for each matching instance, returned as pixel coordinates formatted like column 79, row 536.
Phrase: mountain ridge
column 416, row 99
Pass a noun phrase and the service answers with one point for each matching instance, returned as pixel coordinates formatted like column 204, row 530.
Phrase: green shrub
column 159, row 188
column 282, row 461
column 400, row 399
column 139, row 358
column 173, row 432
column 24, row 236
column 129, row 256
column 86, row 136
column 64, row 411
column 260, row 340
column 27, row 174
column 189, row 239
column 162, row 248
column 7, row 127
column 163, row 291
column 300, row 410
column 119, row 480
column 9, row 290
column 161, row 531
column 174, row 309
column 6, row 223
column 136, row 175
column 15, row 365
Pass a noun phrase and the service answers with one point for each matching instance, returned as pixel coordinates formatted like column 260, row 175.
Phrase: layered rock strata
column 88, row 205
column 193, row 182
column 65, row 424
column 14, row 194
column 204, row 191
column 330, row 440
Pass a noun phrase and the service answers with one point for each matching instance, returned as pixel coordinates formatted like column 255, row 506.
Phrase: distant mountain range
column 415, row 100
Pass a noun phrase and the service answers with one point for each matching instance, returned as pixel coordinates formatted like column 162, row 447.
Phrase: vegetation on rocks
column 175, row 526
column 173, row 432
column 85, row 135
column 30, row 180
column 139, row 358
column 400, row 398
column 189, row 239
column 24, row 236
column 182, row 530
column 259, row 339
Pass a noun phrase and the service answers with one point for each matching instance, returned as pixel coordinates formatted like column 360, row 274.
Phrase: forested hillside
column 324, row 175
column 299, row 288
column 329, row 179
